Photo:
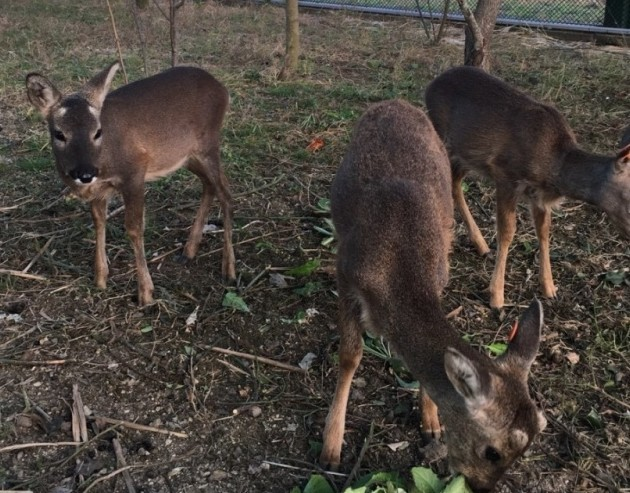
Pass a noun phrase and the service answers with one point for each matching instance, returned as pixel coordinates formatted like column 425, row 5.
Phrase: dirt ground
column 218, row 422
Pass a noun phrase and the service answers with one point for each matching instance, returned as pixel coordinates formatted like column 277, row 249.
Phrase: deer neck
column 583, row 175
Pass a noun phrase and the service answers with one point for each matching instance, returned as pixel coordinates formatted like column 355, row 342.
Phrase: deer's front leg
column 431, row 429
column 134, row 224
column 542, row 222
column 99, row 216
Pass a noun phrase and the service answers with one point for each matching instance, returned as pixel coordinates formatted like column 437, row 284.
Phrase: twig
column 136, row 426
column 19, row 273
column 18, row 362
column 22, row 334
column 120, row 57
column 38, row 255
column 22, row 446
column 295, row 468
column 120, row 458
column 259, row 359
column 454, row 313
column 357, row 465
column 79, row 424
column 109, row 476
column 614, row 399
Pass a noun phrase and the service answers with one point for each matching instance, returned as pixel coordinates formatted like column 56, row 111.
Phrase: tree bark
column 292, row 39
column 479, row 27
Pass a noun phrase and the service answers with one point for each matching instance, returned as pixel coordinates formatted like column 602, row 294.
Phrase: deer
column 392, row 210
column 113, row 142
column 529, row 151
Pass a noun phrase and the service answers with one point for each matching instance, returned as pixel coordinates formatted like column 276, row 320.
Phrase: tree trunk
column 479, row 33
column 292, row 39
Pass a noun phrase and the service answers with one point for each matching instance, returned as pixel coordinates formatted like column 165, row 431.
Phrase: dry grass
column 149, row 366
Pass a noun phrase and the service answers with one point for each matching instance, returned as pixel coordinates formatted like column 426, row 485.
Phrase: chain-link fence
column 611, row 16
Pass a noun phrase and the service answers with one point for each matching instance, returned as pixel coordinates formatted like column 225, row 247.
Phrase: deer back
column 492, row 128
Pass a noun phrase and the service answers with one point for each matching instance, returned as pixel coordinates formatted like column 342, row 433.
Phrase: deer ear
column 41, row 93
column 525, row 338
column 623, row 159
column 471, row 382
column 97, row 87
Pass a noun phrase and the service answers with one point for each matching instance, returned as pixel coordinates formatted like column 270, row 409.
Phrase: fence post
column 617, row 13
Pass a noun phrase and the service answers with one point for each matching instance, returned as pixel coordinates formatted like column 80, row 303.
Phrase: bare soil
column 252, row 426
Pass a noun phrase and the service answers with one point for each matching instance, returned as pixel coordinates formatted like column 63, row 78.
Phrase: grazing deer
column 105, row 143
column 529, row 150
column 393, row 213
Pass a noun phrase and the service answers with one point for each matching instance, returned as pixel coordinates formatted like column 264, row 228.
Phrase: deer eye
column 492, row 455
column 98, row 134
column 58, row 134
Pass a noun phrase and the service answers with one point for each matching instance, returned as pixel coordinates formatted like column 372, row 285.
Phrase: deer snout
column 84, row 176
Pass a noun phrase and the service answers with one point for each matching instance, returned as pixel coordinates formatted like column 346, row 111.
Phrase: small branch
column 120, row 57
column 23, row 446
column 136, row 426
column 122, row 463
column 19, row 273
column 79, row 424
column 38, row 255
column 259, row 359
column 36, row 363
column 357, row 465
column 109, row 476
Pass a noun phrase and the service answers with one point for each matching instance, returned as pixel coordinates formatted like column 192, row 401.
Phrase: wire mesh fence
column 588, row 15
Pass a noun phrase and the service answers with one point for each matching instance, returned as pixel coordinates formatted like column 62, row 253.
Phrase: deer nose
column 83, row 176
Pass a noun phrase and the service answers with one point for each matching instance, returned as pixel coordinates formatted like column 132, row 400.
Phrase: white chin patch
column 83, row 183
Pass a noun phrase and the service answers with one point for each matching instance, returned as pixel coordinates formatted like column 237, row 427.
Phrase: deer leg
column 460, row 202
column 506, row 227
column 134, row 224
column 431, row 429
column 98, row 208
column 214, row 183
column 350, row 353
column 542, row 222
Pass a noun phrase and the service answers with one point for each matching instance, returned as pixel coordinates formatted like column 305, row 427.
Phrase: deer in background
column 528, row 150
column 106, row 143
column 393, row 213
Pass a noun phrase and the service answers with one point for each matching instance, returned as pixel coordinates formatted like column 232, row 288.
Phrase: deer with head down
column 528, row 149
column 106, row 143
column 393, row 213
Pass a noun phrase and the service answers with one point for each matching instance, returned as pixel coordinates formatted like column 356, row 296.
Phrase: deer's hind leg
column 460, row 203
column 350, row 353
column 207, row 167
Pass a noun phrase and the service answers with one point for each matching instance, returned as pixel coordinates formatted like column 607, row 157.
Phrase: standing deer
column 105, row 143
column 528, row 150
column 393, row 213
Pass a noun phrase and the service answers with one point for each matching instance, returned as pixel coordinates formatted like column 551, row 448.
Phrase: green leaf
column 323, row 205
column 146, row 329
column 296, row 490
column 426, row 481
column 458, row 485
column 308, row 289
column 594, row 419
column 497, row 348
column 615, row 277
column 305, row 269
column 232, row 300
column 318, row 484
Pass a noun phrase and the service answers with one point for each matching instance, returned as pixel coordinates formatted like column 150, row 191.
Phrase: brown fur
column 528, row 150
column 393, row 214
column 106, row 143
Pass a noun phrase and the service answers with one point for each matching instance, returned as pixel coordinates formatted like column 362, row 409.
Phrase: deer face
column 495, row 420
column 76, row 136
column 484, row 443
column 74, row 123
